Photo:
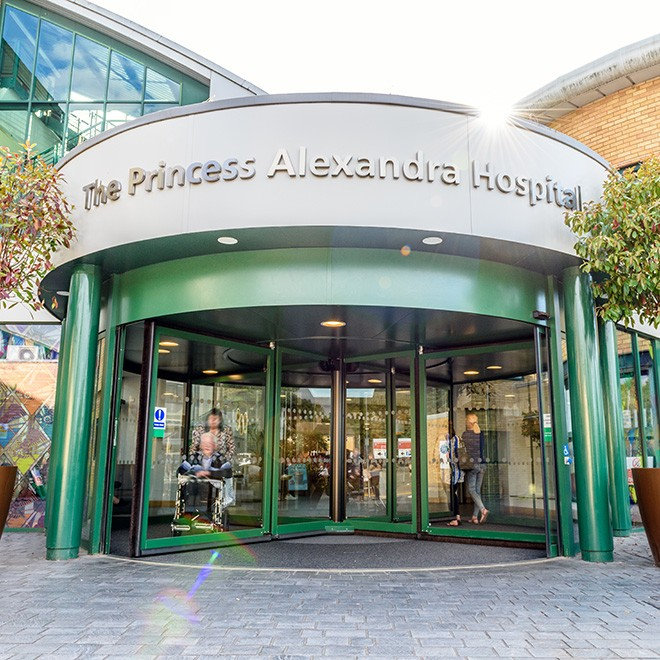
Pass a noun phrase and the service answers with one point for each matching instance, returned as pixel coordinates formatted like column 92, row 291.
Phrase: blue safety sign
column 160, row 417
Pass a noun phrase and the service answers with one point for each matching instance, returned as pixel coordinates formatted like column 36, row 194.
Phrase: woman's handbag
column 465, row 461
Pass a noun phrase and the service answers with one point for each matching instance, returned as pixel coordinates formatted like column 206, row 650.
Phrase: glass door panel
column 167, row 449
column 304, row 462
column 402, row 451
column 207, row 434
column 438, row 468
column 547, row 443
column 379, row 439
column 498, row 423
column 122, row 472
column 368, row 442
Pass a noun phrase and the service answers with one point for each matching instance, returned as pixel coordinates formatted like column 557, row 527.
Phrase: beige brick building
column 612, row 105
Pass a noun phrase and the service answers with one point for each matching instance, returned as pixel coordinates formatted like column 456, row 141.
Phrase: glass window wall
column 54, row 75
column 18, row 50
column 90, row 71
column 53, row 63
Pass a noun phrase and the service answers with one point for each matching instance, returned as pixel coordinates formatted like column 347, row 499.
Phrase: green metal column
column 56, row 416
column 589, row 444
column 564, row 492
column 68, row 458
column 616, row 442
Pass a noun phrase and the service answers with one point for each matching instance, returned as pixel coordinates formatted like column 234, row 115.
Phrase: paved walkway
column 104, row 607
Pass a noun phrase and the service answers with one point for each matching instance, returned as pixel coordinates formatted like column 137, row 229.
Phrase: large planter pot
column 647, row 487
column 7, row 482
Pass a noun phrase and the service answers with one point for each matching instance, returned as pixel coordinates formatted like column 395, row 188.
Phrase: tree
column 619, row 240
column 34, row 223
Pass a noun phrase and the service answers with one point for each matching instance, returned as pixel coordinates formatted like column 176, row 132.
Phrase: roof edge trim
column 331, row 97
column 617, row 64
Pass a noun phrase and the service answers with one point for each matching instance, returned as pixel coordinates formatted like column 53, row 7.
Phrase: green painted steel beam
column 640, row 397
column 616, row 442
column 329, row 276
column 587, row 413
column 69, row 448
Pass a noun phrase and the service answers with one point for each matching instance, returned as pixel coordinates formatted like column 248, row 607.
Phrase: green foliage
column 619, row 240
column 34, row 223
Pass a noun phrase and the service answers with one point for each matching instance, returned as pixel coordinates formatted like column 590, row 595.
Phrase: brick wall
column 624, row 127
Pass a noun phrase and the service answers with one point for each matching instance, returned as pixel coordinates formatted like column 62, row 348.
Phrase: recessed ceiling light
column 163, row 350
column 333, row 324
column 471, row 372
column 432, row 240
column 167, row 343
column 494, row 366
column 62, row 293
column 374, row 380
column 235, row 377
column 509, row 396
column 227, row 240
column 210, row 372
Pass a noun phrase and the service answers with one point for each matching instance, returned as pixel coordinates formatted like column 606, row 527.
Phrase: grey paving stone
column 132, row 609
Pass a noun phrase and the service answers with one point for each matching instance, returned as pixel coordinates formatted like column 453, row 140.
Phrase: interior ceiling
column 368, row 331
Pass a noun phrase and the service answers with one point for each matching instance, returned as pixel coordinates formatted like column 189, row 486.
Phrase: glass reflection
column 47, row 128
column 13, row 126
column 53, row 63
column 85, row 120
column 126, row 79
column 439, row 473
column 161, row 88
column 367, row 447
column 19, row 37
column 90, row 70
column 117, row 114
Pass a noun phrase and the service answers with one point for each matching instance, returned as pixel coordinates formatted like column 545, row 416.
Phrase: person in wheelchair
column 201, row 495
column 206, row 461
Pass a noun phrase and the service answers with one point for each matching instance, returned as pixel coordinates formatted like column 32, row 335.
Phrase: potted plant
column 7, row 482
column 647, row 487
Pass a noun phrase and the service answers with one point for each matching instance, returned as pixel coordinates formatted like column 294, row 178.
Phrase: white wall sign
column 327, row 164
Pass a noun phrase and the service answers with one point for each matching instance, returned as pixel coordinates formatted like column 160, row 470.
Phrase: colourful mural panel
column 28, row 374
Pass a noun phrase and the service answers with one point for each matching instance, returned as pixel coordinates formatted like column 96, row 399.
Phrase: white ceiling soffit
column 623, row 68
column 148, row 42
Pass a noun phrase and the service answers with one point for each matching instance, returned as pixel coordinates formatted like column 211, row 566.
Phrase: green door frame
column 424, row 524
column 111, row 418
column 465, row 531
column 546, row 407
column 151, row 546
